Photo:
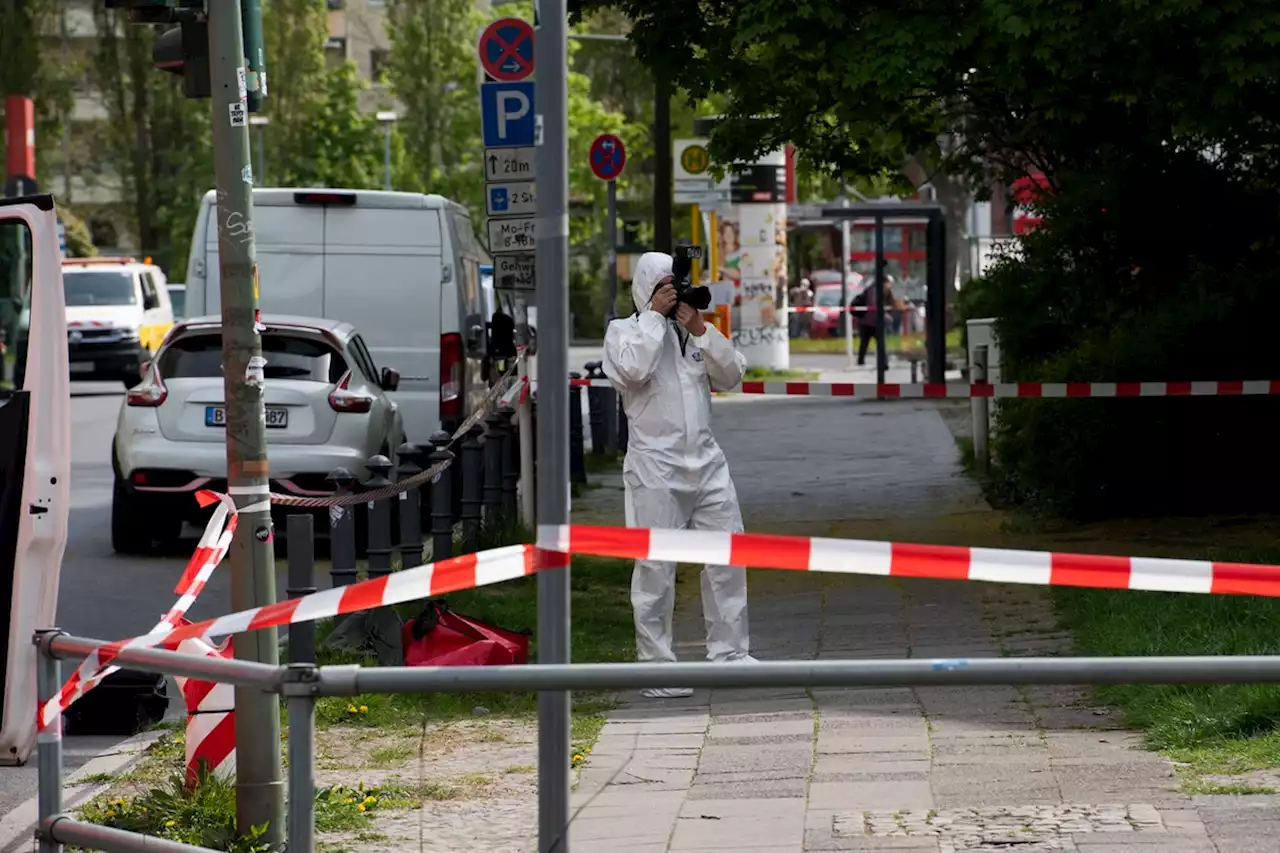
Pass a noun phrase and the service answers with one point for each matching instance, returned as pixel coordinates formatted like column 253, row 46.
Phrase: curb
column 17, row 828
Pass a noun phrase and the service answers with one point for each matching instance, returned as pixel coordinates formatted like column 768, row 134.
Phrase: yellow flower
column 169, row 823
column 350, row 800
column 360, row 807
column 364, row 709
column 352, row 710
column 371, row 799
column 577, row 759
column 111, row 812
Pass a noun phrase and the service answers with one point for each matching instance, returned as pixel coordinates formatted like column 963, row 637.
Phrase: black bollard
column 624, row 431
column 342, row 531
column 379, row 518
column 577, row 454
column 410, row 507
column 494, row 444
column 300, row 530
column 596, row 409
column 441, row 499
column 510, row 462
column 473, row 478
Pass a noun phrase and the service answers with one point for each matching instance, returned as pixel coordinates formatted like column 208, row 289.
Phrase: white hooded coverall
column 675, row 474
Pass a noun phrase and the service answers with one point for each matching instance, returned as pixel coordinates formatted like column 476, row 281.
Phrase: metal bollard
column 300, row 531
column 577, row 454
column 510, row 455
column 602, row 402
column 494, row 446
column 624, row 431
column 441, row 500
column 980, row 408
column 379, row 518
column 342, row 531
column 473, row 478
column 410, row 507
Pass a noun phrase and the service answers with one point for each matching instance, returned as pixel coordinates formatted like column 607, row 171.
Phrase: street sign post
column 693, row 181
column 512, row 235
column 514, row 199
column 506, row 115
column 506, row 50
column 509, row 164
column 608, row 158
column 513, row 272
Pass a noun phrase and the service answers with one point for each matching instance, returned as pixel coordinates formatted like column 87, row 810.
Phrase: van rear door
column 382, row 272
column 289, row 239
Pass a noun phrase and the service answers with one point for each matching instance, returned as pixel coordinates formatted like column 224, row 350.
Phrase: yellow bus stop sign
column 695, row 160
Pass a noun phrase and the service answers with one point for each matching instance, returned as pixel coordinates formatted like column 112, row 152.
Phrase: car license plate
column 277, row 417
column 82, row 367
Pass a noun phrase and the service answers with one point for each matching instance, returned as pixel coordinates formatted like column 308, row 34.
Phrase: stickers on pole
column 608, row 157
column 239, row 114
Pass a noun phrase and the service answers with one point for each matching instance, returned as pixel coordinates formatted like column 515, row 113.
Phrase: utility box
column 982, row 333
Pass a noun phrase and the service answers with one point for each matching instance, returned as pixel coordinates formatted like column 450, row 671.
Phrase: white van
column 404, row 268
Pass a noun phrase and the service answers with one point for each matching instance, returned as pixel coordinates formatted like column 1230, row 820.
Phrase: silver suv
column 327, row 406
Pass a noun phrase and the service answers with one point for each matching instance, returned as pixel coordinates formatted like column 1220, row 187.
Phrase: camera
column 682, row 259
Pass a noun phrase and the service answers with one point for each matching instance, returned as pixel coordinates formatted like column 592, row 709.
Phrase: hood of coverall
column 652, row 268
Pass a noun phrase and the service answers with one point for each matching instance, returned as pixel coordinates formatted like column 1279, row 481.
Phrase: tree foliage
column 317, row 134
column 155, row 141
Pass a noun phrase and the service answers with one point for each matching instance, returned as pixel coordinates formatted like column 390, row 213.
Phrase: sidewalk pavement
column 932, row 769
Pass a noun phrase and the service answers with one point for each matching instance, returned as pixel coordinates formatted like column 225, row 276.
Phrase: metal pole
column 663, row 169
column 611, row 235
column 302, row 779
column 882, row 358
column 302, row 568
column 524, row 423
column 944, row 672
column 846, row 315
column 386, row 158
column 936, row 297
column 259, row 786
column 695, row 228
column 49, row 741
column 91, row 836
column 551, row 99
column 981, row 410
column 257, row 676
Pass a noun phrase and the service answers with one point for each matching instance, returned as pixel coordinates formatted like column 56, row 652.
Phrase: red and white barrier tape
column 831, row 309
column 892, row 559
column 211, row 720
column 960, row 390
column 214, row 542
column 797, row 553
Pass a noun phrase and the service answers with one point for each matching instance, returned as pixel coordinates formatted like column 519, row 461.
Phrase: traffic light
column 184, row 50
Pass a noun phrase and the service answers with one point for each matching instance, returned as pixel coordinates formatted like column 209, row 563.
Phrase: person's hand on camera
column 664, row 297
column 691, row 319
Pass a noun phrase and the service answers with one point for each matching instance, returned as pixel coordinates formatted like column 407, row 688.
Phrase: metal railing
column 302, row 684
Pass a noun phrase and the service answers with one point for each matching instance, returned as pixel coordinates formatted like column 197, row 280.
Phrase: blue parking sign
column 498, row 202
column 506, row 115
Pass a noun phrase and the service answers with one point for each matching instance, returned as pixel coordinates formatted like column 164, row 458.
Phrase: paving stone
column 636, row 828
column 771, row 758
column 798, row 727
column 906, row 747
column 855, row 764
column 751, row 789
column 870, row 795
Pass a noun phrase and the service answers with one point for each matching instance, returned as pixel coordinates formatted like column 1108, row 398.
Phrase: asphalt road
column 103, row 595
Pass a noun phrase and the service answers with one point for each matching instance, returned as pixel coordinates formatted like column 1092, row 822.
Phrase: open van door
column 35, row 454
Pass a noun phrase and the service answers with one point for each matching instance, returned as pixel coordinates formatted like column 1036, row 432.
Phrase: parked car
column 826, row 295
column 328, row 405
column 118, row 312
column 402, row 267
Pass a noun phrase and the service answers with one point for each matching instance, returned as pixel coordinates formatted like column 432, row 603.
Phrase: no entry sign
column 608, row 156
column 506, row 50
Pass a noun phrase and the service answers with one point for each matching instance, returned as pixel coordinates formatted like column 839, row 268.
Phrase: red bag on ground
column 440, row 637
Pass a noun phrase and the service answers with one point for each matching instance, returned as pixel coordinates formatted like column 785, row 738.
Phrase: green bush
column 1164, row 287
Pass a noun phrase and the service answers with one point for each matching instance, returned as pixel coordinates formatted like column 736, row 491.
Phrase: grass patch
column 1230, row 728
column 1204, row 786
column 764, row 374
column 892, row 343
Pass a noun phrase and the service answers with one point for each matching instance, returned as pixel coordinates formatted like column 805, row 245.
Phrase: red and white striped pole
column 211, row 717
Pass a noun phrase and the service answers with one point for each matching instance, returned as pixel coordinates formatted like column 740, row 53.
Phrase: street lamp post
column 388, row 118
column 261, row 122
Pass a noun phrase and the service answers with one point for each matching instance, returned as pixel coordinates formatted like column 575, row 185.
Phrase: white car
column 328, row 406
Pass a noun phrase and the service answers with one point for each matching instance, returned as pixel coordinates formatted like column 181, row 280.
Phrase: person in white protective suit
column 675, row 474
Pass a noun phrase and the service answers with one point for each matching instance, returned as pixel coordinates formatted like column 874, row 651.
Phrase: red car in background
column 826, row 295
